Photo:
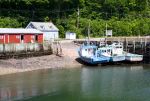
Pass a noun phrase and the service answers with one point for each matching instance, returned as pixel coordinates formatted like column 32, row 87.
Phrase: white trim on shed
column 18, row 30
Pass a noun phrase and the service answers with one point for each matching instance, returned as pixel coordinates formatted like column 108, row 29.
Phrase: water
column 107, row 83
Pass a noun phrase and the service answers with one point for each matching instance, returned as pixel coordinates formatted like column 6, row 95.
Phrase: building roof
column 43, row 26
column 18, row 30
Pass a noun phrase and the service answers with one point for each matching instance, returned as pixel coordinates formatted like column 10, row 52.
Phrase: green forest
column 123, row 17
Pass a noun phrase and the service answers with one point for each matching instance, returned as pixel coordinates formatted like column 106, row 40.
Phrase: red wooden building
column 19, row 35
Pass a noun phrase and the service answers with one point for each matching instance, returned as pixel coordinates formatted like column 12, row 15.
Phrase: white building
column 50, row 31
column 70, row 35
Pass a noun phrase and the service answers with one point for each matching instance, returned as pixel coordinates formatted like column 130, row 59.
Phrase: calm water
column 107, row 83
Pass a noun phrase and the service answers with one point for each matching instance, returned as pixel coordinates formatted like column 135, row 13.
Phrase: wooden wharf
column 138, row 45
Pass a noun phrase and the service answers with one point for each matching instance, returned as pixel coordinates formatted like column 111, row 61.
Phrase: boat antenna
column 106, row 30
column 106, row 33
column 89, row 33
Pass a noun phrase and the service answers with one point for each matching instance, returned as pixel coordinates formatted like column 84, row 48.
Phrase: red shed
column 19, row 35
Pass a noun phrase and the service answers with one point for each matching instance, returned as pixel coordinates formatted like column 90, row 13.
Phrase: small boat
column 117, row 52
column 133, row 57
column 114, row 52
column 91, row 55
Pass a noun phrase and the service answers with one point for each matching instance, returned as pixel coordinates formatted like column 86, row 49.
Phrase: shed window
column 22, row 37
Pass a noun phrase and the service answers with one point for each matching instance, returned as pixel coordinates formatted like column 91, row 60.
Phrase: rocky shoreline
column 68, row 60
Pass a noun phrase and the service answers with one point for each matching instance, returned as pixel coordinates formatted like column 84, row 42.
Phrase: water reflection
column 136, row 67
column 129, row 82
column 26, row 85
column 113, row 82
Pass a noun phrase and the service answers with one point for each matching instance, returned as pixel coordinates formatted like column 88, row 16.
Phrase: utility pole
column 78, row 14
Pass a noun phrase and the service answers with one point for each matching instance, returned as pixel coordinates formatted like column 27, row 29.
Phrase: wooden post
column 34, row 50
column 145, row 45
column 141, row 45
column 141, row 41
column 57, row 48
column 126, row 44
column 134, row 46
column 4, row 48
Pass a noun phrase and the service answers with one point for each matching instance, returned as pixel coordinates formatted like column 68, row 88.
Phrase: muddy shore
column 67, row 60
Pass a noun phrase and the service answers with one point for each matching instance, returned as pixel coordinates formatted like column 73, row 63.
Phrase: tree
column 9, row 23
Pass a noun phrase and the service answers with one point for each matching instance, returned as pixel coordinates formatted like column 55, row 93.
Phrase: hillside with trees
column 124, row 17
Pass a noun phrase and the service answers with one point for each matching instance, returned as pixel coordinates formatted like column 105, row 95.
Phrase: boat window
column 98, row 55
column 103, row 51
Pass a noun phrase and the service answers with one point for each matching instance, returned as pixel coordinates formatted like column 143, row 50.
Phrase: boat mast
column 106, row 33
column 78, row 14
column 89, row 33
column 106, row 30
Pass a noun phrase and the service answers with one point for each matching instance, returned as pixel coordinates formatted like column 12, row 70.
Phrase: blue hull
column 117, row 58
column 94, row 60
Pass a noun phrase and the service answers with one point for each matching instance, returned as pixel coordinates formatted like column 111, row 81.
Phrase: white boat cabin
column 88, row 51
column 117, row 48
column 111, row 50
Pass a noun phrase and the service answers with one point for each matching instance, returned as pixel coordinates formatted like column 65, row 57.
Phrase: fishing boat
column 133, row 57
column 91, row 55
column 114, row 52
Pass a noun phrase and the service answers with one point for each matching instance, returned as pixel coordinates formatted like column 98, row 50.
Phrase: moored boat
column 133, row 57
column 91, row 55
column 114, row 51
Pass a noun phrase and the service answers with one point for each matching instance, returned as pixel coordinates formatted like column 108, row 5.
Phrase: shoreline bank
column 68, row 60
